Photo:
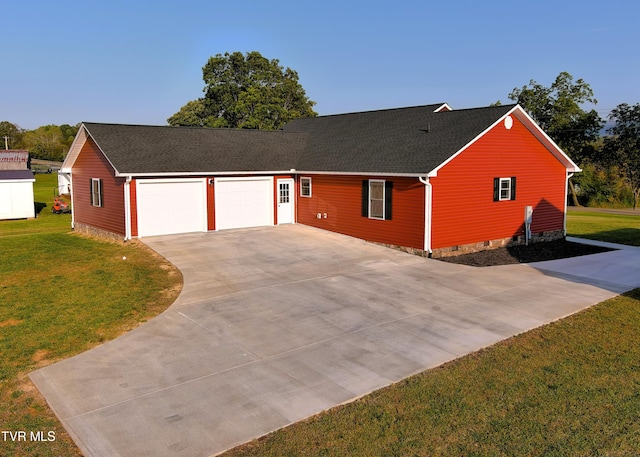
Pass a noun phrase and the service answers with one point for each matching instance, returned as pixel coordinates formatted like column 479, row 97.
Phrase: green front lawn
column 613, row 228
column 61, row 294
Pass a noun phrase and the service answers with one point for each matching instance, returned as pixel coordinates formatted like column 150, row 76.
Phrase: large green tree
column 49, row 142
column 623, row 147
column 10, row 135
column 558, row 109
column 246, row 91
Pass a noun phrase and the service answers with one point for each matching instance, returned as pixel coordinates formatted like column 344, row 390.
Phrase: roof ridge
column 477, row 108
column 181, row 127
column 381, row 110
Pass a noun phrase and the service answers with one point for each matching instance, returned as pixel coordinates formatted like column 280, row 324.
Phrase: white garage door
column 168, row 206
column 243, row 202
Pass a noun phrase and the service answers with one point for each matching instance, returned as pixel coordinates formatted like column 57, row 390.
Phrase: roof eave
column 134, row 174
column 433, row 173
column 362, row 173
column 74, row 151
column 545, row 139
column 266, row 172
column 533, row 127
column 17, row 180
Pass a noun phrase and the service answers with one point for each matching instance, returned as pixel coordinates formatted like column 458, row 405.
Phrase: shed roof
column 16, row 175
column 14, row 155
column 14, row 159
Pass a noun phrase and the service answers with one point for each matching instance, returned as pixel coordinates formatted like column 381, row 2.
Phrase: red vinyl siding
column 91, row 163
column 463, row 208
column 340, row 198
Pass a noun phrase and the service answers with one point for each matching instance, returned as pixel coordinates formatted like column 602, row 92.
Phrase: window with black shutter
column 377, row 199
column 504, row 189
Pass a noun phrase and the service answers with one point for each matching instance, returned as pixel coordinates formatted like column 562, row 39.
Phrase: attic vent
column 508, row 122
column 428, row 129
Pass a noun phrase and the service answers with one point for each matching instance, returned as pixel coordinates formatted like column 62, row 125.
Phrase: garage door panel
column 169, row 207
column 243, row 203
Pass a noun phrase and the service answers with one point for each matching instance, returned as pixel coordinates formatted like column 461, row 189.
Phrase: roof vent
column 428, row 129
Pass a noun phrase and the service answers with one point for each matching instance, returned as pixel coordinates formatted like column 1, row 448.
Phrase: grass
column 613, row 228
column 568, row 388
column 61, row 294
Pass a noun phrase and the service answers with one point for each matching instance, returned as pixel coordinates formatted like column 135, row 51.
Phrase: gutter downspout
column 127, row 209
column 428, row 192
column 73, row 194
column 566, row 194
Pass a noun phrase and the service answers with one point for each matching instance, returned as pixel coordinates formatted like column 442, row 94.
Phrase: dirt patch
column 9, row 322
column 536, row 252
column 40, row 357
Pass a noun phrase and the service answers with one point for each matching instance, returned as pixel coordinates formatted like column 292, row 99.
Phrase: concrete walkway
column 277, row 324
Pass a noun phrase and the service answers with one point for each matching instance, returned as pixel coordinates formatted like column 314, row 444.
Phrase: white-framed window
column 376, row 199
column 305, row 187
column 96, row 192
column 504, row 189
column 283, row 192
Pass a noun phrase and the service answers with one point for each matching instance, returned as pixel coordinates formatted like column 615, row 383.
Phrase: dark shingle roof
column 411, row 140
column 405, row 140
column 139, row 149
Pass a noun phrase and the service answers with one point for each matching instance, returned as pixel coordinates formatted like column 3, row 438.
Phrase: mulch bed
column 535, row 252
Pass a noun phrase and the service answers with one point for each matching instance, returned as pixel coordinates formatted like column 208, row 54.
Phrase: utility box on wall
column 528, row 218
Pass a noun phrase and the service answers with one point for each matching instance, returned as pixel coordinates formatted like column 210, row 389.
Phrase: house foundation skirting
column 97, row 232
column 480, row 246
column 499, row 243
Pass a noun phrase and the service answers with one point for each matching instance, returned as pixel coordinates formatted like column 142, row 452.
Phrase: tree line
column 48, row 142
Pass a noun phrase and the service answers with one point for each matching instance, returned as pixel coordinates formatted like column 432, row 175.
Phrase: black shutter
column 91, row 191
column 365, row 198
column 513, row 188
column 100, row 192
column 496, row 189
column 388, row 187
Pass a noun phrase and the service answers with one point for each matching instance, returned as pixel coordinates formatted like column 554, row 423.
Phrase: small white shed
column 16, row 194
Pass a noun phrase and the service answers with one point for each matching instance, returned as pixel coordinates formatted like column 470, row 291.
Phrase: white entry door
column 285, row 201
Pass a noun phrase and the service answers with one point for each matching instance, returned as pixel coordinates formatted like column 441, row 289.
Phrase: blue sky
column 139, row 61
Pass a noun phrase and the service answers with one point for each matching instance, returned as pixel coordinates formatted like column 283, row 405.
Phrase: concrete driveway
column 277, row 324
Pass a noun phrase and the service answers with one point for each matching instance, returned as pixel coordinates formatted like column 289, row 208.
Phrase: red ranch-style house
column 428, row 179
